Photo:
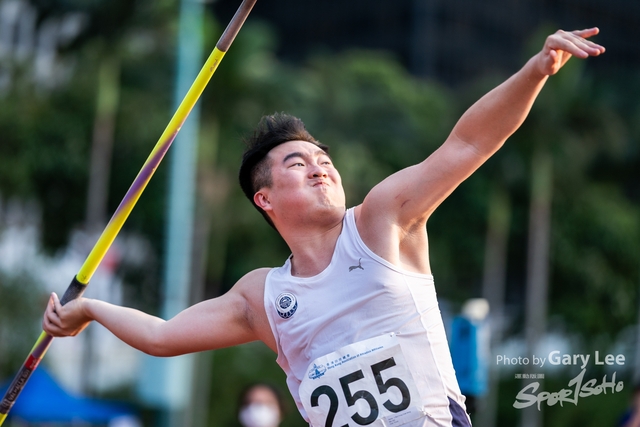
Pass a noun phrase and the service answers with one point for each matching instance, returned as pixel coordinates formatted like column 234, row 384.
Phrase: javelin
column 81, row 280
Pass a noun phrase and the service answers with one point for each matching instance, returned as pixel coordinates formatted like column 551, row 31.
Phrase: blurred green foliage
column 21, row 302
column 377, row 118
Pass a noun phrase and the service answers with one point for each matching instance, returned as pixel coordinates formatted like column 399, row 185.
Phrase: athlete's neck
column 312, row 252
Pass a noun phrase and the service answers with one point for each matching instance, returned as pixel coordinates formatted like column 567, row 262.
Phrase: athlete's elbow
column 156, row 343
column 156, row 350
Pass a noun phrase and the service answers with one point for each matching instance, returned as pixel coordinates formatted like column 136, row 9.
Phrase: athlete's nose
column 318, row 171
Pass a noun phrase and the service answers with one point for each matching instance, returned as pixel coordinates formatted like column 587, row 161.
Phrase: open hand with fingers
column 67, row 320
column 562, row 45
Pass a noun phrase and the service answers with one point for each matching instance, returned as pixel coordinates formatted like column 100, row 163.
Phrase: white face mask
column 259, row 415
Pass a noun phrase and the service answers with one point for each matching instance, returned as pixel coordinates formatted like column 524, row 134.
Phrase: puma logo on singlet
column 354, row 267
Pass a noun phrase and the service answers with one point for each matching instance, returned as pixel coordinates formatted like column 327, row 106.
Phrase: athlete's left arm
column 407, row 198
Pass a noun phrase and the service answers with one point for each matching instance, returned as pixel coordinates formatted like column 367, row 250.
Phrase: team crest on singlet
column 286, row 305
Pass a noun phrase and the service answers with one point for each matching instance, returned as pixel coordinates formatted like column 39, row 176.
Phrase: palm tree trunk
column 538, row 265
column 102, row 147
column 493, row 290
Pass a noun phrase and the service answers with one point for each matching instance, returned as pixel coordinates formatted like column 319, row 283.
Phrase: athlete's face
column 304, row 182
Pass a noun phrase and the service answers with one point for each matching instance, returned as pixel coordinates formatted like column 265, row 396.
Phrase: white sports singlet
column 363, row 342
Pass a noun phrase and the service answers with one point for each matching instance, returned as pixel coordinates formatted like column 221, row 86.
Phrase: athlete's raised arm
column 408, row 197
column 234, row 318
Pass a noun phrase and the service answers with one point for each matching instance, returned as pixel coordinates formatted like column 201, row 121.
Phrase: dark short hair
column 273, row 130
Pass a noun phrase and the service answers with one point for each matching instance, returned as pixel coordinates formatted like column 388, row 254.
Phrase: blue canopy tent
column 44, row 401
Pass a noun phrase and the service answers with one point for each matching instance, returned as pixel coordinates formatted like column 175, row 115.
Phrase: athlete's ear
column 261, row 199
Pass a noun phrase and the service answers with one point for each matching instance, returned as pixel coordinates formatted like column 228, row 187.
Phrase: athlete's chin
column 332, row 200
column 332, row 203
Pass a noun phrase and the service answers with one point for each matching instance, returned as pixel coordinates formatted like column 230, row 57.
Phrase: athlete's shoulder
column 257, row 275
column 253, row 280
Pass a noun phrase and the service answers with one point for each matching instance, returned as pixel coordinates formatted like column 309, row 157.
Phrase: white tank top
column 334, row 331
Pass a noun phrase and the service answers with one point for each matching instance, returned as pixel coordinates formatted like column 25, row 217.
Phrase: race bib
column 364, row 384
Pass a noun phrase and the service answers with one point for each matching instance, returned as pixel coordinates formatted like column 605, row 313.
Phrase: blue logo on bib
column 286, row 305
column 317, row 371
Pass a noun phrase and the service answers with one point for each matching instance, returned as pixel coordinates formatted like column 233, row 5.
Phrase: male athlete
column 352, row 314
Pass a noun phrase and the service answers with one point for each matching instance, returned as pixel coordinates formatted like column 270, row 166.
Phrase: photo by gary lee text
column 557, row 358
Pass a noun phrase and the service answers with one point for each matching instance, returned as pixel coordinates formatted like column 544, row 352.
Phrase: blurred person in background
column 631, row 418
column 261, row 405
